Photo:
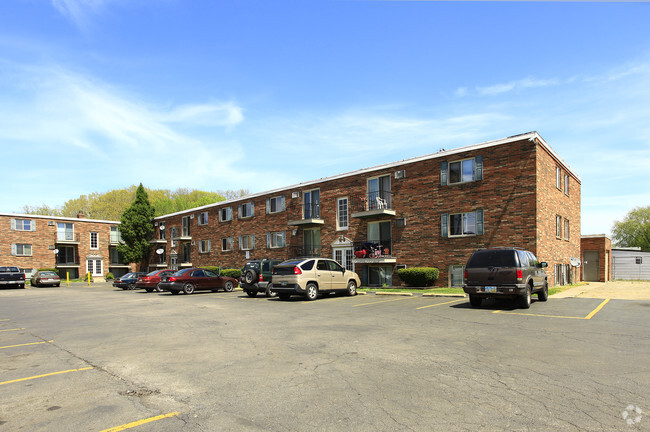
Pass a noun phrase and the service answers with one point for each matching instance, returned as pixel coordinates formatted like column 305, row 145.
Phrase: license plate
column 284, row 284
column 490, row 289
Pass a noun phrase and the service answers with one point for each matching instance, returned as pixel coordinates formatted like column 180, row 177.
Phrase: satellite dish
column 56, row 251
column 162, row 227
column 575, row 262
column 160, row 251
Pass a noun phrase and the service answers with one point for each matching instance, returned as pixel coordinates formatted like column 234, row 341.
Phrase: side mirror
column 543, row 264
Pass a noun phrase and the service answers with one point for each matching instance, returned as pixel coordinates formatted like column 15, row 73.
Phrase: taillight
column 172, row 279
column 261, row 278
column 520, row 274
column 465, row 275
column 297, row 271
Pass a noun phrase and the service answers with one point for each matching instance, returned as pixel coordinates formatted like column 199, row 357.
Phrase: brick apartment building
column 431, row 211
column 74, row 246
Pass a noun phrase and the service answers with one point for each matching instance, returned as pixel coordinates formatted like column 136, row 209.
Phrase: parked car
column 309, row 277
column 256, row 277
column 505, row 273
column 12, row 276
column 128, row 280
column 196, row 279
column 150, row 281
column 45, row 278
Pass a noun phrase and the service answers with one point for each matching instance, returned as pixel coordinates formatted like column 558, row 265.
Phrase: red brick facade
column 430, row 217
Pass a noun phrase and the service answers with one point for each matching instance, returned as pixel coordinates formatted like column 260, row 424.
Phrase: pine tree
column 136, row 228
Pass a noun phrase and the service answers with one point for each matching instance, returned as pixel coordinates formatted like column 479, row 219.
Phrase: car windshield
column 493, row 258
column 9, row 269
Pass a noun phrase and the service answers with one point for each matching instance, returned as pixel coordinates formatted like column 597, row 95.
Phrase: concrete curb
column 410, row 294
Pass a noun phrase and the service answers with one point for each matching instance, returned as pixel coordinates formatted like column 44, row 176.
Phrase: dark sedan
column 196, row 279
column 128, row 280
column 151, row 280
column 45, row 278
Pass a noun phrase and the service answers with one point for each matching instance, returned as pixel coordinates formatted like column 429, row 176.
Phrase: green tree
column 634, row 230
column 137, row 229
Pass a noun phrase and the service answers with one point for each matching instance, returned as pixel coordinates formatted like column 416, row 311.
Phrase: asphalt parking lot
column 98, row 358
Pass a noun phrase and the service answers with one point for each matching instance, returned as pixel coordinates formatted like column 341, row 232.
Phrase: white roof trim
column 30, row 216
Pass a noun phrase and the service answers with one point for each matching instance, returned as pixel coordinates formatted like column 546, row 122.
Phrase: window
column 225, row 214
column 462, row 224
column 558, row 177
column 462, row 171
column 203, row 218
column 21, row 249
column 246, row 210
column 342, row 214
column 311, row 242
column 204, row 246
column 276, row 239
column 566, row 184
column 94, row 240
column 116, row 235
column 187, row 253
column 174, row 235
column 379, row 193
column 23, row 225
column 311, row 204
column 275, row 204
column 558, row 226
column 65, row 231
column 247, row 242
column 66, row 255
column 566, row 229
column 456, row 275
column 226, row 244
column 186, row 226
column 115, row 257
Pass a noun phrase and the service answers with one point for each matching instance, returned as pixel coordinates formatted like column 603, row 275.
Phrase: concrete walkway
column 624, row 290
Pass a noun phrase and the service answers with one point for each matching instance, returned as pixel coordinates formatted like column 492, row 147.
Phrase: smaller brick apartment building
column 74, row 246
column 431, row 211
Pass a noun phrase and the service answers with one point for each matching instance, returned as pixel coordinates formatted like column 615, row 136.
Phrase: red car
column 195, row 279
column 150, row 280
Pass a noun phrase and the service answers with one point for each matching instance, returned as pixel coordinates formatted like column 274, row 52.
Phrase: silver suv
column 310, row 276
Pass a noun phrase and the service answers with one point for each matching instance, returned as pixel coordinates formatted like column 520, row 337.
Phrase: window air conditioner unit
column 400, row 174
column 401, row 222
column 400, row 266
column 295, row 194
column 155, row 224
column 193, row 242
column 191, row 216
column 50, row 223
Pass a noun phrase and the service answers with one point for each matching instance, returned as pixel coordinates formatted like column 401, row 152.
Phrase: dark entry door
column 591, row 261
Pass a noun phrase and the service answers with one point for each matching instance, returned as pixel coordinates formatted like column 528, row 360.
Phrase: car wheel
column 158, row 289
column 229, row 286
column 542, row 295
column 131, row 286
column 22, row 286
column 148, row 289
column 352, row 288
column 270, row 292
column 251, row 293
column 284, row 296
column 188, row 288
column 58, row 285
column 311, row 291
column 524, row 300
column 475, row 301
column 175, row 292
column 249, row 277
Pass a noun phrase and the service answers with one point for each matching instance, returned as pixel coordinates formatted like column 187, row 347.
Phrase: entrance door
column 343, row 256
column 591, row 262
column 95, row 267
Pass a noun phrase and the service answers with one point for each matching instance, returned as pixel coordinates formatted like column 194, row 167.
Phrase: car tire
column 174, row 292
column 131, row 286
column 270, row 292
column 284, row 296
column 229, row 286
column 158, row 289
column 475, row 301
column 22, row 286
column 58, row 285
column 352, row 288
column 148, row 289
column 542, row 295
column 525, row 300
column 251, row 293
column 249, row 277
column 311, row 291
column 188, row 288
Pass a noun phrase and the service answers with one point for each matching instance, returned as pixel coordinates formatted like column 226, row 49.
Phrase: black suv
column 505, row 273
column 256, row 277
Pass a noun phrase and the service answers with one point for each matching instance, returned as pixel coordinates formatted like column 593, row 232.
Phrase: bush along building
column 72, row 246
column 429, row 211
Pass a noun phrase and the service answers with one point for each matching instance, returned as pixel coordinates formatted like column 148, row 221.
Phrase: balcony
column 115, row 239
column 66, row 238
column 311, row 216
column 305, row 252
column 373, row 252
column 372, row 204
column 160, row 241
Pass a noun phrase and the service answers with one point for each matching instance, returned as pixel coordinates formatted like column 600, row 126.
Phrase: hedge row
column 418, row 276
column 233, row 273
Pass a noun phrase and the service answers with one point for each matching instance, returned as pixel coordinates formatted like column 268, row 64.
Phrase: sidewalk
column 623, row 290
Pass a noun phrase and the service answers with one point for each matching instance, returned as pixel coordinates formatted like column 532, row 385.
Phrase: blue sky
column 230, row 94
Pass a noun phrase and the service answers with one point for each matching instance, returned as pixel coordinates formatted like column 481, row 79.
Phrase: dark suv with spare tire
column 256, row 277
column 505, row 273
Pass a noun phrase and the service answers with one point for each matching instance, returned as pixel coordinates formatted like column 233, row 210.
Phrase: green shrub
column 233, row 273
column 418, row 276
column 109, row 276
column 86, row 277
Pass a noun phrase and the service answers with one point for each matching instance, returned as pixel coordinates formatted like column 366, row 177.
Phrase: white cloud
column 522, row 84
column 78, row 10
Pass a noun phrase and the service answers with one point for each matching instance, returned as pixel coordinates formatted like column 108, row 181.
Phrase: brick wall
column 603, row 245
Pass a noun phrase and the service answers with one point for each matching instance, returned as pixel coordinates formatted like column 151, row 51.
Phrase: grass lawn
column 444, row 290
column 560, row 288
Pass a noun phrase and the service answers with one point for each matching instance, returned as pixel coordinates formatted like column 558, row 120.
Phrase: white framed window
column 65, row 231
column 225, row 214
column 21, row 249
column 247, row 242
column 566, row 184
column 226, row 244
column 186, row 226
column 566, row 229
column 342, row 214
column 462, row 224
column 558, row 177
column 275, row 204
column 203, row 218
column 558, row 227
column 276, row 239
column 23, row 225
column 246, row 210
column 461, row 171
column 94, row 240
column 204, row 246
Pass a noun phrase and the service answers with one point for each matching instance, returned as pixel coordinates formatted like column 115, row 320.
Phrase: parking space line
column 140, row 422
column 26, row 344
column 441, row 304
column 12, row 329
column 588, row 317
column 45, row 375
column 6, row 319
column 385, row 301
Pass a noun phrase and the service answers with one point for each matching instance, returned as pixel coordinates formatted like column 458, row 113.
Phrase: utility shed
column 631, row 264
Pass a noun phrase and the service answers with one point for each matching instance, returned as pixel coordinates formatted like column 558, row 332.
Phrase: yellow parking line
column 595, row 311
column 26, row 344
column 588, row 317
column 6, row 319
column 441, row 304
column 385, row 301
column 45, row 375
column 12, row 329
column 140, row 422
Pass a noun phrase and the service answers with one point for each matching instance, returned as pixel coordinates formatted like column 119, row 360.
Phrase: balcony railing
column 380, row 200
column 373, row 249
column 115, row 238
column 66, row 237
column 309, row 251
